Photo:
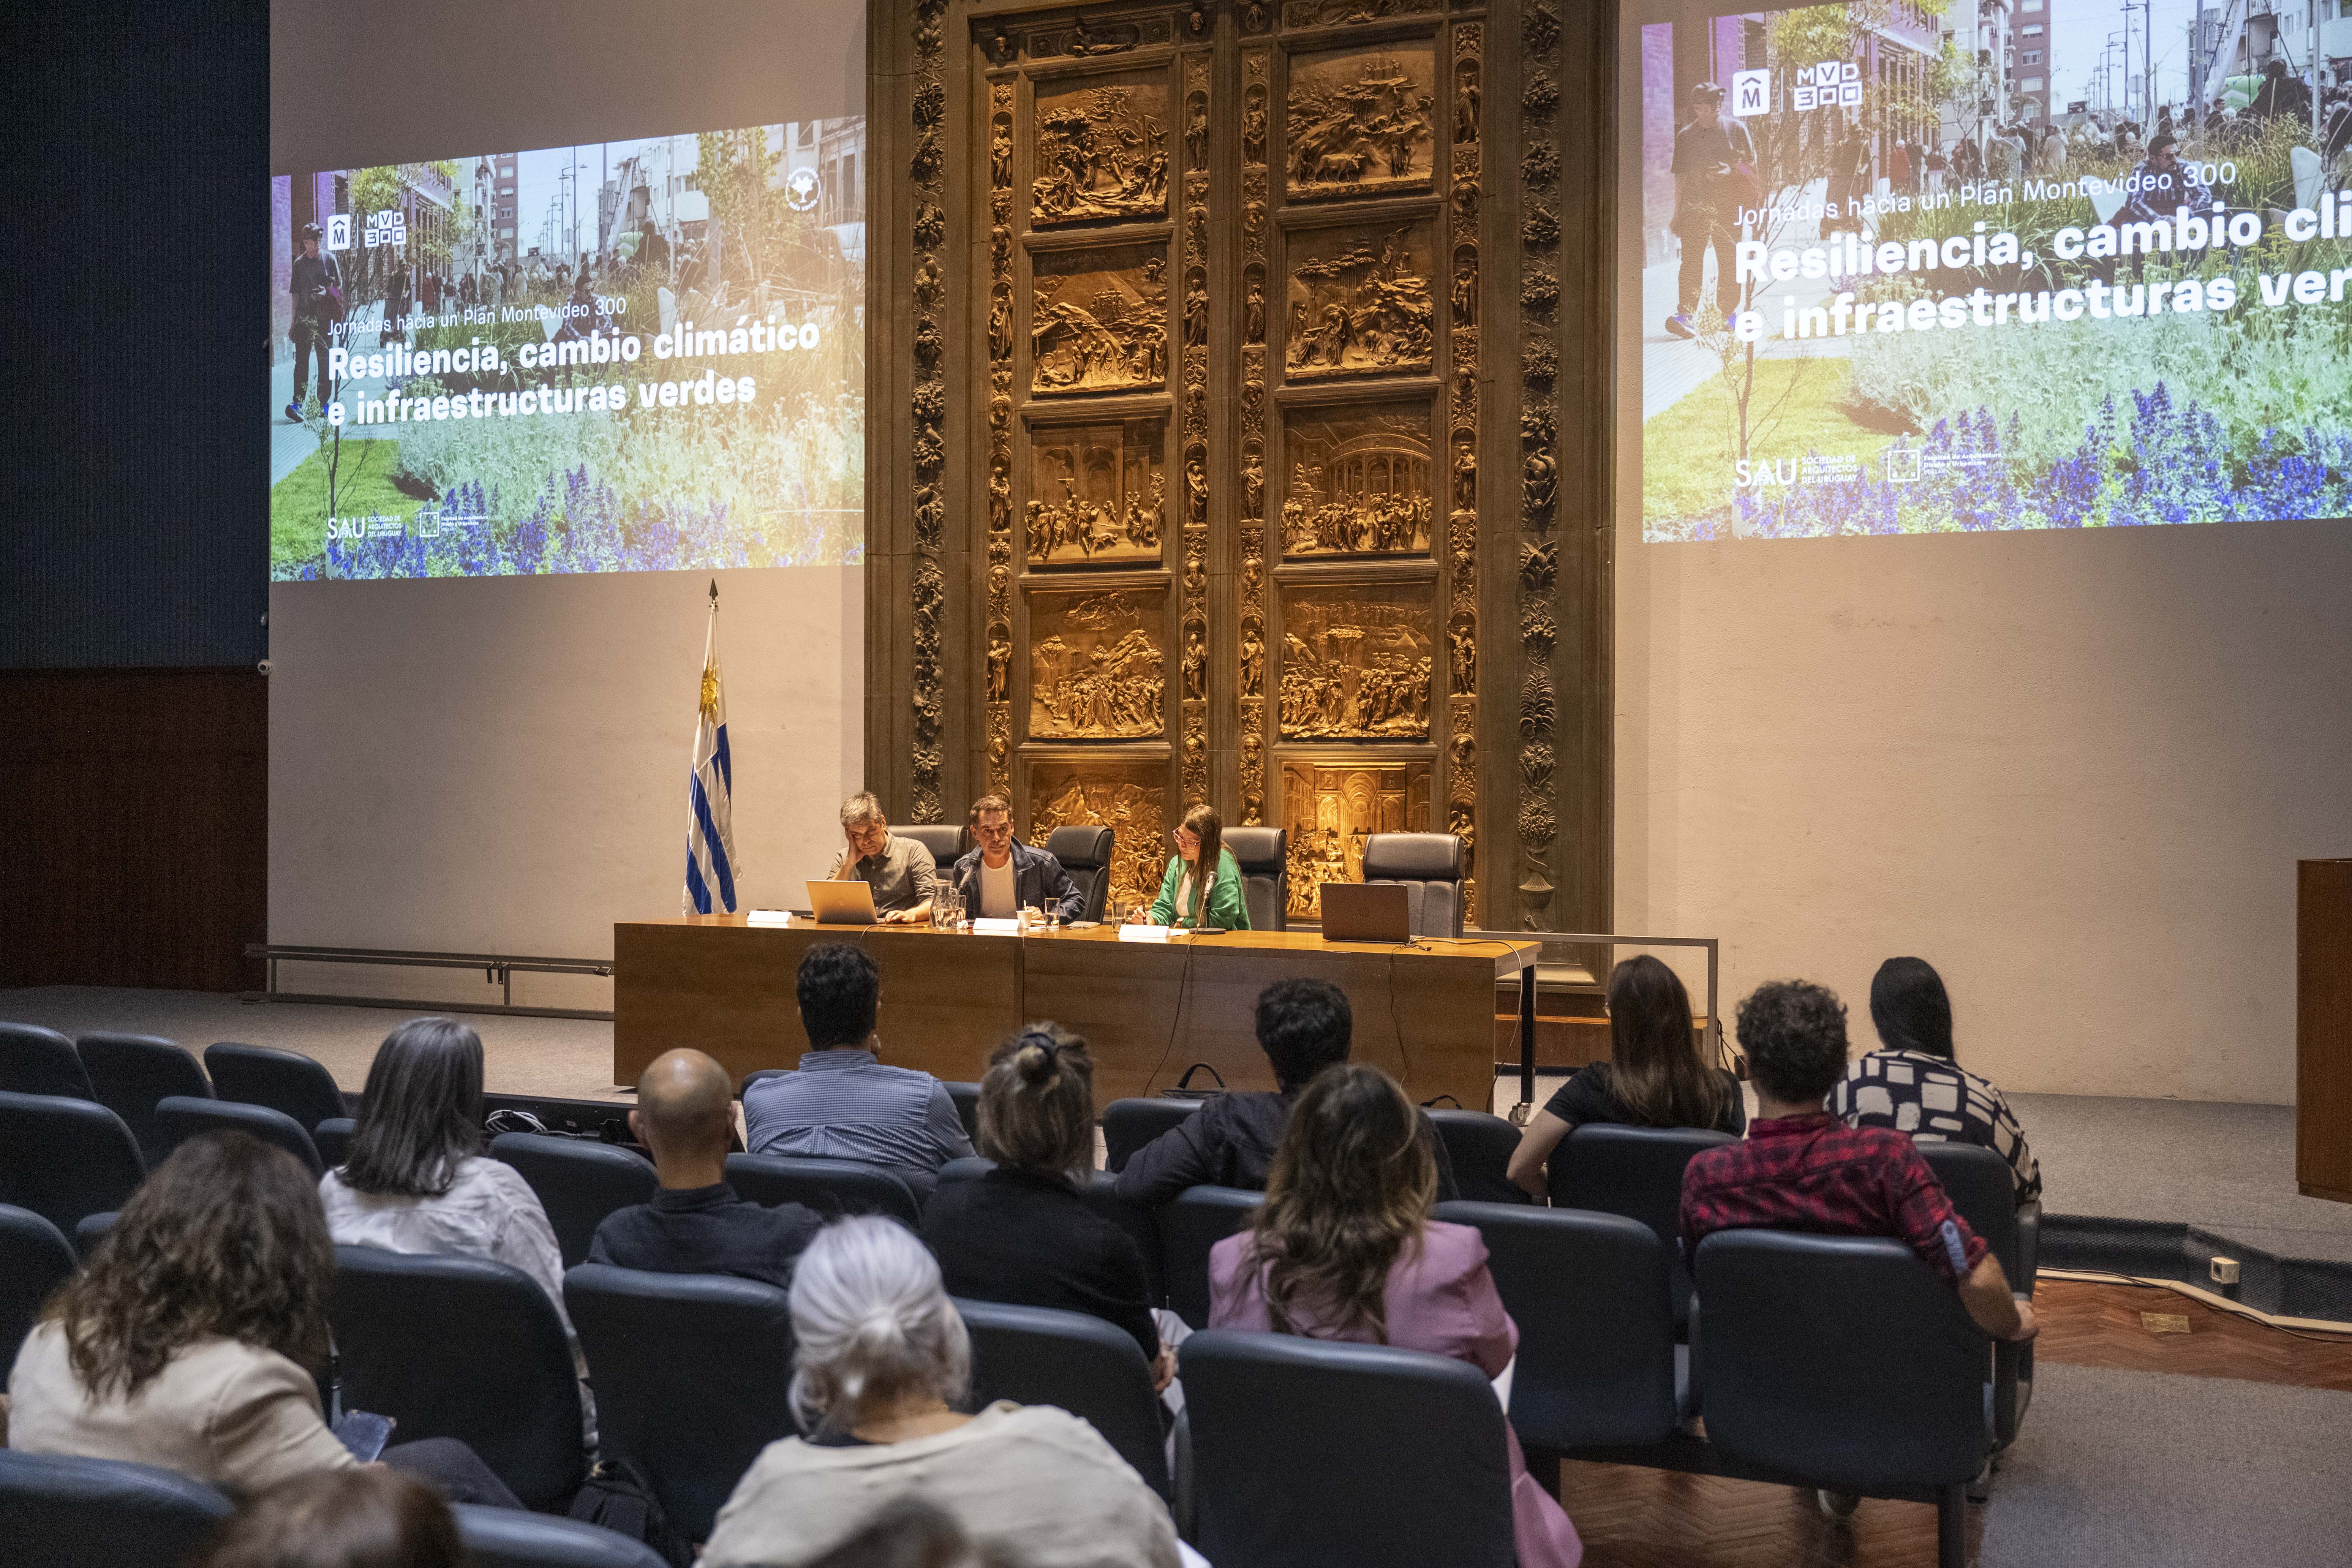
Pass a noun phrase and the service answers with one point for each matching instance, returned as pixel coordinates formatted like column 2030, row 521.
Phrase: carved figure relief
column 1254, row 127
column 1360, row 482
column 1331, row 806
column 1465, row 100
column 1099, row 323
column 1196, row 131
column 1348, row 13
column 1253, row 305
column 1359, row 122
column 1359, row 303
column 1356, row 663
column 1096, row 665
column 1097, row 493
column 1129, row 798
column 999, row 151
column 1101, row 151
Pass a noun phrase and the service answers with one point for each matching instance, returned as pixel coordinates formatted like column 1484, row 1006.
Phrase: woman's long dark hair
column 1203, row 823
column 1654, row 1069
column 1352, row 1185
column 421, row 1114
column 1910, row 1008
column 224, row 1239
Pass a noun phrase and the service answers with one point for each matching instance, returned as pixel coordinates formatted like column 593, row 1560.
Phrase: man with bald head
column 695, row 1223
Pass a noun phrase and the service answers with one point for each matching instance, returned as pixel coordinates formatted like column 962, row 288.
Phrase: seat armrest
column 2029, row 1246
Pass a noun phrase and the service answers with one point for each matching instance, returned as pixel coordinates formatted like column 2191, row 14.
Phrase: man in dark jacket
column 314, row 316
column 1303, row 1027
column 1002, row 876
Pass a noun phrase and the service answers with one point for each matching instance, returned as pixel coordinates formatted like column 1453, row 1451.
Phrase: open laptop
column 1365, row 911
column 847, row 903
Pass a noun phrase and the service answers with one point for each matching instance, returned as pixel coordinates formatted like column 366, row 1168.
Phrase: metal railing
column 1525, row 1107
column 497, row 969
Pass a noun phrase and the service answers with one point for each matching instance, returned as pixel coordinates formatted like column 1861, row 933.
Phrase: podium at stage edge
column 1423, row 1011
column 2323, row 1029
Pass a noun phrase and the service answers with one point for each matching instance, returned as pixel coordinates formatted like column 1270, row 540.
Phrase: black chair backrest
column 1039, row 1355
column 129, row 1073
column 756, row 1075
column 944, row 840
column 1842, row 1359
column 1085, row 852
column 1101, row 1195
column 1306, row 1451
column 966, row 1097
column 1430, row 867
column 182, row 1116
column 1984, row 1190
column 65, row 1158
column 1191, row 1222
column 333, row 1137
column 91, row 1229
column 282, row 1081
column 504, row 1538
column 578, row 1183
column 693, row 1375
column 67, row 1512
column 971, row 1168
column 34, row 1257
column 1480, row 1147
column 1129, row 1124
column 465, row 1347
column 1596, row 1323
column 1260, row 854
column 828, row 1186
column 1636, row 1172
column 34, row 1060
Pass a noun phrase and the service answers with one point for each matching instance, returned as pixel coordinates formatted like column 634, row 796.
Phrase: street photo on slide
column 1919, row 268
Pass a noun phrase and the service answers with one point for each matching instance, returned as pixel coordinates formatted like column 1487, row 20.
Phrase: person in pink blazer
column 1344, row 1248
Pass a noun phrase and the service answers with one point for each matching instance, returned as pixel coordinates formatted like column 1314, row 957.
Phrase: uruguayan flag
column 710, row 863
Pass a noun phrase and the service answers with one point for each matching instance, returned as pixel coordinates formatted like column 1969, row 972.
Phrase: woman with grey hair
column 881, row 1359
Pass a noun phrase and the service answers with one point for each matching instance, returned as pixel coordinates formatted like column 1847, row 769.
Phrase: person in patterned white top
column 1914, row 1085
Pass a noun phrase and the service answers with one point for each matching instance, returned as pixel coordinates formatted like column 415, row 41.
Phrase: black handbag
column 1184, row 1090
column 617, row 1496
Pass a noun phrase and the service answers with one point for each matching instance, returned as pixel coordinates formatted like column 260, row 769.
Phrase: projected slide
column 1907, row 270
column 642, row 355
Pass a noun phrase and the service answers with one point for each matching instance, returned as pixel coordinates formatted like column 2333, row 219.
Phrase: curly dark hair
column 1794, row 1034
column 839, row 987
column 224, row 1239
column 1302, row 1026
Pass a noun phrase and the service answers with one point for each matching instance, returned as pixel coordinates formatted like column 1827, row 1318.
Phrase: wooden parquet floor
column 1633, row 1518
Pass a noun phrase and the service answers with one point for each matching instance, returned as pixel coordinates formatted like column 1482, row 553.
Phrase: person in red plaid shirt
column 1800, row 1168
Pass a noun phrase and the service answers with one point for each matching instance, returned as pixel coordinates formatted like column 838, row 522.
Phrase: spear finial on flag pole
column 710, row 861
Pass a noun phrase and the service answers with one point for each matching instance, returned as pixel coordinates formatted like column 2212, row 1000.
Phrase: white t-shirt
column 998, row 893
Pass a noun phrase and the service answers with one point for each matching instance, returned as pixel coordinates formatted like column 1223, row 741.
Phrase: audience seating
column 1129, row 1124
column 282, row 1081
column 1084, row 854
column 1262, row 856
column 828, row 1186
column 34, row 1060
column 1636, row 1172
column 1430, row 867
column 91, row 1229
column 1308, row 1451
column 755, row 1076
column 34, row 1257
column 1101, row 1194
column 466, row 1348
column 1480, row 1146
column 183, row 1117
column 65, row 1158
column 578, row 1183
column 693, row 1375
column 129, row 1073
column 1983, row 1189
column 502, row 1538
column 944, row 840
column 64, row 1513
column 971, row 1168
column 333, row 1137
column 1042, row 1355
column 1191, row 1223
column 967, row 1103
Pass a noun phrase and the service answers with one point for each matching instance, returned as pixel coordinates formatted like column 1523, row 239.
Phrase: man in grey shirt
column 842, row 1104
column 900, row 871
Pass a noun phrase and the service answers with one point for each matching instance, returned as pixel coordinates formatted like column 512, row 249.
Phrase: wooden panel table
column 1424, row 1011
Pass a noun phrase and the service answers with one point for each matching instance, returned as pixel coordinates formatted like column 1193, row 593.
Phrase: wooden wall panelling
column 1537, row 501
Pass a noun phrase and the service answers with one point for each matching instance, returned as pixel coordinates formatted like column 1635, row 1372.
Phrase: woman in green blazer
column 1201, row 841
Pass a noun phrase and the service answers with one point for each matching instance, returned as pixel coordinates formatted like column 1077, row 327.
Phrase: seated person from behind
column 1801, row 1169
column 900, row 871
column 1344, row 1248
column 362, row 1516
column 881, row 1358
column 1302, row 1026
column 1201, row 841
column 1654, row 1076
column 842, row 1104
column 193, row 1339
column 1002, row 876
column 1022, row 1234
column 695, row 1223
column 1914, row 1085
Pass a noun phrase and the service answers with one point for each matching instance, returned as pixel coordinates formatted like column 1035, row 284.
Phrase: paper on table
column 1144, row 933
column 996, row 927
column 769, row 917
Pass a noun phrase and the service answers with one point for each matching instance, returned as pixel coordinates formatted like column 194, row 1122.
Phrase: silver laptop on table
column 1366, row 912
column 843, row 903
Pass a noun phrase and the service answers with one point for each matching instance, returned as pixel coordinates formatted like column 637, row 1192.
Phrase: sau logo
column 1834, row 84
column 802, row 189
column 1751, row 93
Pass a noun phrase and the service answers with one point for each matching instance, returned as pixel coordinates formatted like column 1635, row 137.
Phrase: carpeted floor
column 2135, row 1469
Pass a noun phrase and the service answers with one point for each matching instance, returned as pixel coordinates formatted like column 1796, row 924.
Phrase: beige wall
column 2075, row 771
column 500, row 765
